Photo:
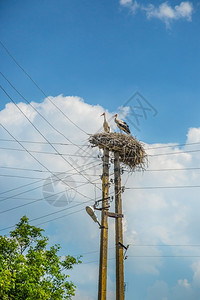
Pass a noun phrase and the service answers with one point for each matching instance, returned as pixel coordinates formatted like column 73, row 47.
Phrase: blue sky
column 98, row 54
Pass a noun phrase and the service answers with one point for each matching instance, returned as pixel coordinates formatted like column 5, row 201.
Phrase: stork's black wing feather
column 123, row 126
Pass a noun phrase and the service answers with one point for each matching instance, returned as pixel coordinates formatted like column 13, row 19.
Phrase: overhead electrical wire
column 147, row 170
column 165, row 245
column 148, row 256
column 170, row 146
column 37, row 200
column 17, row 63
column 28, row 177
column 82, row 145
column 60, row 217
column 53, row 213
column 175, row 169
column 88, row 156
column 40, row 199
column 97, row 251
column 52, row 153
column 42, row 171
column 42, row 179
column 39, row 181
column 12, row 226
column 172, row 153
column 36, row 110
column 162, row 187
column 37, row 159
column 33, row 189
column 44, row 143
column 35, row 127
column 20, row 187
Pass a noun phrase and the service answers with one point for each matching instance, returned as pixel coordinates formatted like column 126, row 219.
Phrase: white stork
column 122, row 125
column 105, row 124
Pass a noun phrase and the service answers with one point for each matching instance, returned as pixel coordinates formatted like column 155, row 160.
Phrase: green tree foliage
column 28, row 270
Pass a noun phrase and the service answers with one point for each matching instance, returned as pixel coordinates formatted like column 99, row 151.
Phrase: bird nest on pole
column 131, row 151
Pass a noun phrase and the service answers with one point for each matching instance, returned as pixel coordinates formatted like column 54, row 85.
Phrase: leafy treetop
column 28, row 270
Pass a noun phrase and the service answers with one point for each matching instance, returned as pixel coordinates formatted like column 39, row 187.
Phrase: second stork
column 122, row 125
column 105, row 124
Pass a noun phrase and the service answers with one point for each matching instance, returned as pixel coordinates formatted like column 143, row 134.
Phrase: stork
column 122, row 125
column 105, row 123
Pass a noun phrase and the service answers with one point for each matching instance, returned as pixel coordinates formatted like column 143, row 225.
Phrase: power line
column 147, row 170
column 60, row 217
column 42, row 180
column 37, row 111
column 16, row 62
column 20, row 187
column 26, row 177
column 44, row 171
column 148, row 256
column 46, row 152
column 9, row 227
column 38, row 160
column 41, row 135
column 165, row 245
column 12, row 208
column 164, row 256
column 135, row 245
column 172, row 153
column 44, row 143
column 68, row 154
column 33, row 189
column 176, row 169
column 84, row 145
column 177, row 145
column 53, row 213
column 162, row 187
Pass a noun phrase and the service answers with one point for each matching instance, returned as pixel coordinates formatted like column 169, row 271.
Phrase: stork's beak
column 102, row 114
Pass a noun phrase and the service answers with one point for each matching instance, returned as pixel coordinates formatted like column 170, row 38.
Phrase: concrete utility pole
column 118, row 231
column 102, row 289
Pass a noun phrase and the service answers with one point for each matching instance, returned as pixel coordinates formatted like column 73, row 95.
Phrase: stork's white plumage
column 122, row 125
column 105, row 124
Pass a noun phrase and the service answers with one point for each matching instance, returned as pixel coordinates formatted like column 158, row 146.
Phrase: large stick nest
column 131, row 151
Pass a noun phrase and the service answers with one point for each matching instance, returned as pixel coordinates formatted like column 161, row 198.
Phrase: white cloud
column 167, row 13
column 164, row 12
column 184, row 283
column 158, row 291
column 196, row 277
column 193, row 135
column 184, row 10
column 133, row 6
column 125, row 2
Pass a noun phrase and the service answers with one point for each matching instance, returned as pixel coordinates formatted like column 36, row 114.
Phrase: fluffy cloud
column 184, row 283
column 164, row 11
column 167, row 13
column 196, row 277
column 154, row 217
column 133, row 6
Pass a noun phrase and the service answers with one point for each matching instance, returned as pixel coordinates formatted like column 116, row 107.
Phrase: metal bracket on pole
column 113, row 215
column 126, row 249
column 104, row 208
